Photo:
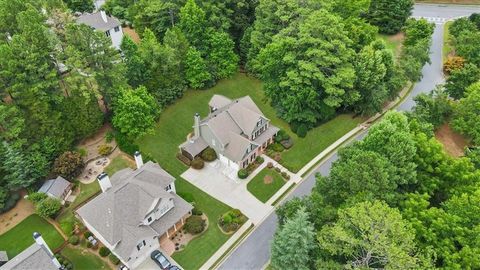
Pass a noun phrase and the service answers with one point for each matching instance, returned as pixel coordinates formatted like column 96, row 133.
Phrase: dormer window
column 168, row 188
column 259, row 123
column 141, row 245
column 149, row 219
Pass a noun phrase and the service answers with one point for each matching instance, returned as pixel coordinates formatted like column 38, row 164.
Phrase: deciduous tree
column 196, row 72
column 389, row 15
column 466, row 117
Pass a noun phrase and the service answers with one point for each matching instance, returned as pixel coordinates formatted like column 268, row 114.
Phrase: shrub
column 277, row 157
column 37, row 197
column 287, row 144
column 109, row 136
column 87, row 234
column 104, row 251
column 183, row 159
column 104, row 149
column 242, row 173
column 187, row 196
column 73, row 240
column 48, row 207
column 125, row 144
column 259, row 159
column 277, row 169
column 198, row 163
column 276, row 147
column 196, row 212
column 208, row 154
column 114, row 259
column 269, row 165
column 453, row 63
column 284, row 175
column 194, row 225
column 282, row 135
column 302, row 130
column 68, row 165
column 89, row 244
column 232, row 220
column 82, row 151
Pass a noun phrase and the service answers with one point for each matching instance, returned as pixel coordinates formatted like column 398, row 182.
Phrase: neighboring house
column 37, row 256
column 98, row 4
column 58, row 188
column 135, row 211
column 100, row 21
column 3, row 257
column 236, row 129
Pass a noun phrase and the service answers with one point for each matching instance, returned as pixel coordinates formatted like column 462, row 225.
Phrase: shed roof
column 56, row 187
column 34, row 257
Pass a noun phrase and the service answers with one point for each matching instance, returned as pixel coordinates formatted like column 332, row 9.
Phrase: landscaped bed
column 266, row 183
column 20, row 237
column 176, row 122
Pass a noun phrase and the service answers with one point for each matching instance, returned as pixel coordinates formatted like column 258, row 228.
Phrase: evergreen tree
column 389, row 15
column 196, row 72
column 460, row 79
column 193, row 24
column 293, row 243
column 466, row 117
column 136, row 69
column 221, row 57
column 80, row 5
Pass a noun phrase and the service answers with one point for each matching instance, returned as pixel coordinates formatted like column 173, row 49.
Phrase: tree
column 193, row 24
column 460, row 79
column 48, row 207
column 135, row 112
column 221, row 57
column 371, row 68
column 294, row 74
column 156, row 15
column 416, row 30
column 293, row 243
column 360, row 32
column 196, row 72
column 80, row 5
column 466, row 116
column 389, row 15
column 467, row 46
column 391, row 138
column 453, row 63
column 68, row 165
column 370, row 235
column 462, row 25
column 433, row 108
column 136, row 69
column 287, row 210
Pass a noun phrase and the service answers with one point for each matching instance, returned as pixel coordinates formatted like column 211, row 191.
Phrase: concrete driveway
column 233, row 193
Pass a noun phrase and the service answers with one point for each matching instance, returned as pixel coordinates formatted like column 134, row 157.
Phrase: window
column 149, row 219
column 116, row 28
column 141, row 245
column 259, row 122
column 168, row 188
column 107, row 33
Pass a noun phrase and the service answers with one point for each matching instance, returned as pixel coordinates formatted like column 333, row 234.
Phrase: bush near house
column 277, row 147
column 184, row 159
column 48, row 207
column 208, row 154
column 194, row 225
column 242, row 173
column 104, row 251
column 196, row 212
column 197, row 163
column 114, row 259
column 259, row 160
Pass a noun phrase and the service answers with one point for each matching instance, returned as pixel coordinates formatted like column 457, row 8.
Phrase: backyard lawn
column 20, row 237
column 176, row 122
column 263, row 191
column 118, row 163
column 82, row 259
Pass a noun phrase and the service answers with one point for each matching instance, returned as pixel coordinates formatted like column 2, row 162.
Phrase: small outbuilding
column 3, row 257
column 57, row 188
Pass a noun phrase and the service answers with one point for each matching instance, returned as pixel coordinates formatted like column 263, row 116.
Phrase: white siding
column 138, row 256
column 116, row 37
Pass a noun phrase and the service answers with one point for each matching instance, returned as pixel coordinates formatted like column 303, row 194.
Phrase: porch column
column 175, row 226
column 183, row 222
column 168, row 235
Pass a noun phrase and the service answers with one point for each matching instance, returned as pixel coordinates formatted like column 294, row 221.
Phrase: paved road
column 254, row 252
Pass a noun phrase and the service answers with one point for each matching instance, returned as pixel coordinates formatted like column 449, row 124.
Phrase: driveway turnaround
column 233, row 193
column 254, row 252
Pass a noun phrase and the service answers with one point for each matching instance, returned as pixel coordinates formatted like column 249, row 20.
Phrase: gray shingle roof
column 34, row 257
column 3, row 256
column 95, row 20
column 55, row 187
column 117, row 213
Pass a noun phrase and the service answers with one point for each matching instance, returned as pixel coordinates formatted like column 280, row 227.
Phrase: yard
column 82, row 259
column 263, row 190
column 20, row 237
column 448, row 49
column 119, row 162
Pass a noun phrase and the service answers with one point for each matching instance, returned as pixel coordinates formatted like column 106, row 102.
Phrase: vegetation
column 69, row 165
column 264, row 190
column 208, row 154
column 389, row 16
column 20, row 237
column 242, row 173
column 83, row 260
column 104, row 149
column 195, row 224
column 232, row 220
column 48, row 207
column 197, row 163
column 104, row 251
column 74, row 240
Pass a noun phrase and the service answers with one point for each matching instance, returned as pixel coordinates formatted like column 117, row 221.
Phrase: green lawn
column 83, row 260
column 118, row 163
column 176, row 122
column 263, row 191
column 447, row 40
column 20, row 237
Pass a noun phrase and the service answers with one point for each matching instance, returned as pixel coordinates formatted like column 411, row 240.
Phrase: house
column 135, row 211
column 100, row 21
column 37, row 256
column 98, row 4
column 57, row 188
column 3, row 257
column 236, row 129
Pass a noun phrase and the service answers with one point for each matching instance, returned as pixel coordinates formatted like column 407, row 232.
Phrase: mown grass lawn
column 176, row 122
column 118, row 163
column 260, row 189
column 447, row 41
column 20, row 237
column 83, row 260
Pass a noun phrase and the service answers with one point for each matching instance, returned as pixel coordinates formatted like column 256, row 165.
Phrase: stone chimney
column 196, row 125
column 104, row 15
column 104, row 181
column 138, row 159
column 39, row 240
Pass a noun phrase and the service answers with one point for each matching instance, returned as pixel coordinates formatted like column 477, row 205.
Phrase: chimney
column 104, row 181
column 138, row 159
column 39, row 240
column 196, row 125
column 104, row 15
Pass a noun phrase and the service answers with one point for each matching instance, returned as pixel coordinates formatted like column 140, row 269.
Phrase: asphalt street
column 254, row 252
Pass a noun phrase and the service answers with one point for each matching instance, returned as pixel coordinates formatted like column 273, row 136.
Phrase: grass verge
column 447, row 41
column 82, row 259
column 20, row 237
column 263, row 191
